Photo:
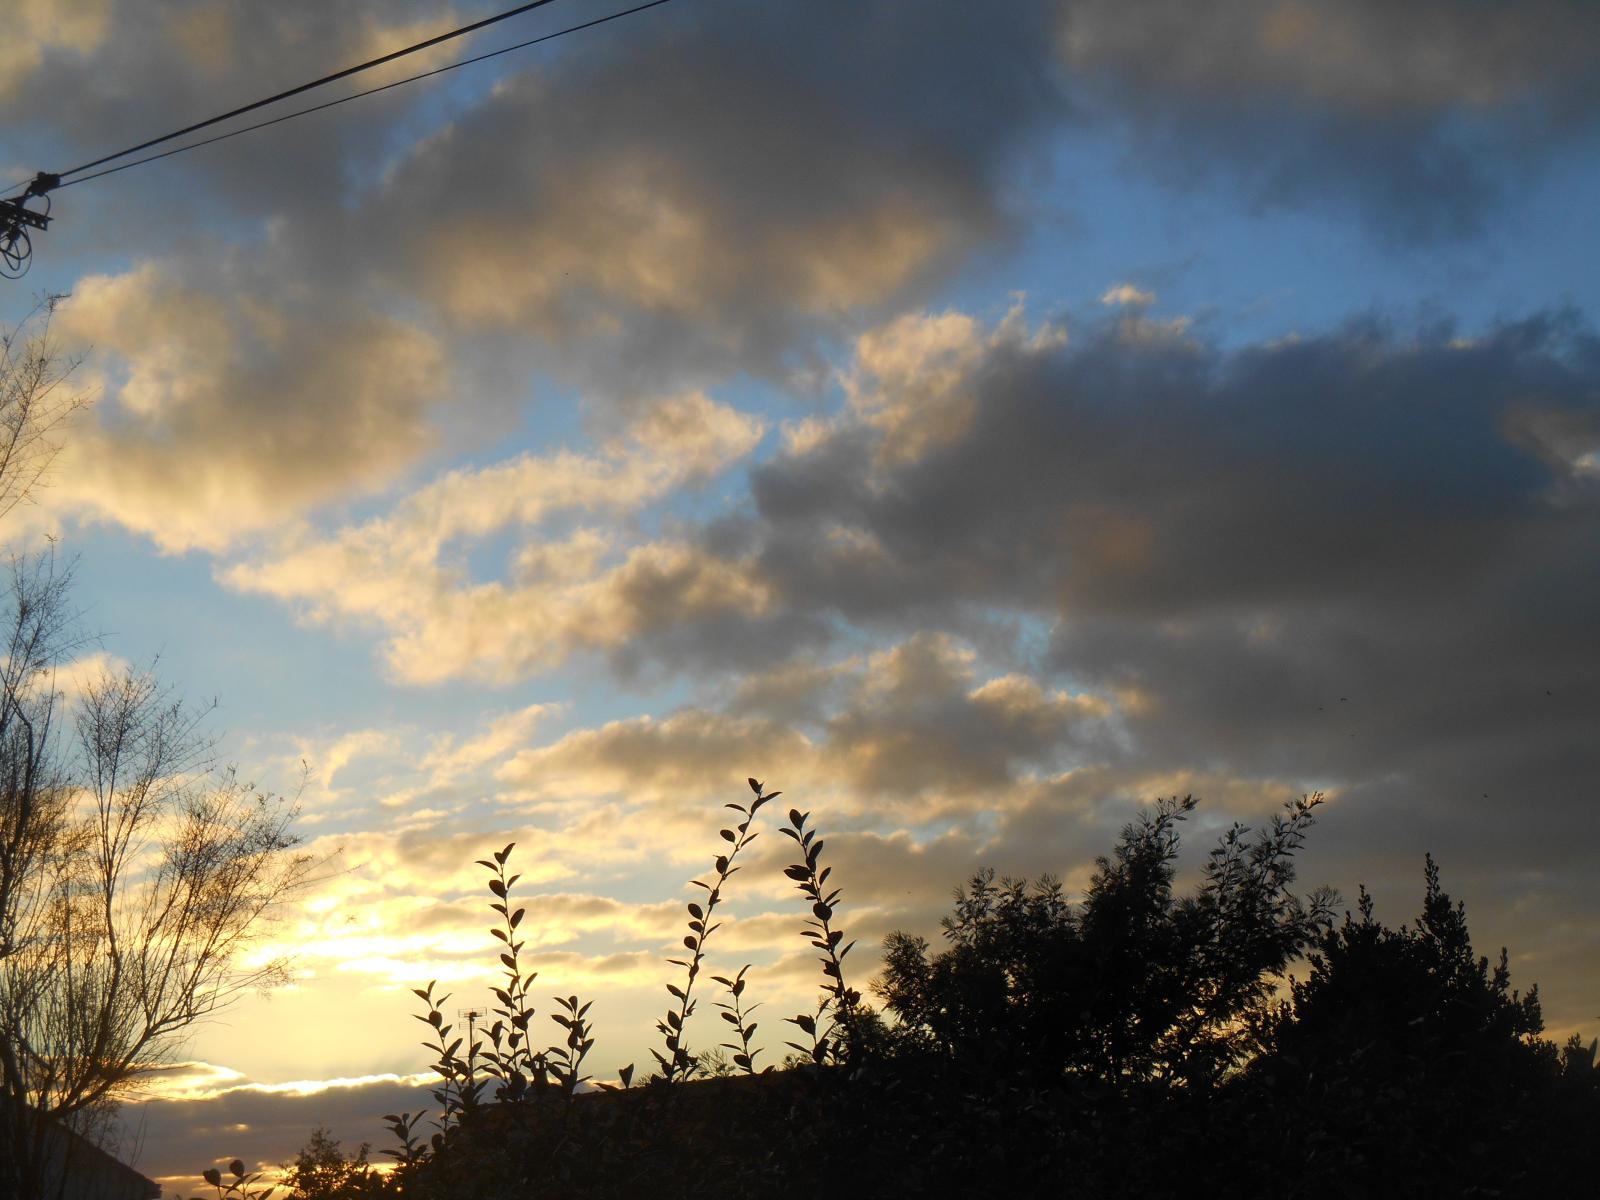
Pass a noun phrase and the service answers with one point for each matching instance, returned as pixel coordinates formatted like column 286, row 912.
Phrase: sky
column 976, row 421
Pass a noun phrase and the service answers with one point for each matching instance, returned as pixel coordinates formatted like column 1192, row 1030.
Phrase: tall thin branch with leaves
column 733, row 1011
column 677, row 1063
column 837, row 1008
column 456, row 1093
column 510, row 1057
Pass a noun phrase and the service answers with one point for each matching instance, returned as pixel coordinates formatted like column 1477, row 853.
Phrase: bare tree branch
column 35, row 404
column 134, row 873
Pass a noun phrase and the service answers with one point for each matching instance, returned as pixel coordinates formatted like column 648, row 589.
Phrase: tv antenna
column 471, row 1016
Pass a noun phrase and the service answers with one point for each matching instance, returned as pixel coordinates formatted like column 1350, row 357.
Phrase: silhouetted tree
column 322, row 1171
column 1404, row 1060
column 131, row 876
column 1135, row 985
column 35, row 405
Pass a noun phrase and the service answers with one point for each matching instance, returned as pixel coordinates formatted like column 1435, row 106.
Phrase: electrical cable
column 466, row 62
column 315, row 83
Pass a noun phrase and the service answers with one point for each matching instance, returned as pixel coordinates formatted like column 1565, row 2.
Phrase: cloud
column 911, row 377
column 708, row 201
column 919, row 727
column 1365, row 55
column 686, row 195
column 38, row 30
column 1123, row 565
column 910, row 733
column 563, row 595
column 692, row 195
column 216, row 1115
column 1424, row 117
column 74, row 680
column 133, row 74
column 713, row 187
column 220, row 412
column 993, row 588
column 1145, row 479
column 1127, row 295
column 1268, row 561
column 651, row 760
column 632, row 806
column 451, row 758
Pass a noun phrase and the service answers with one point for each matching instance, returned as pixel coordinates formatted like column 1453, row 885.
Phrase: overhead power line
column 50, row 183
column 300, row 112
column 16, row 218
column 315, row 83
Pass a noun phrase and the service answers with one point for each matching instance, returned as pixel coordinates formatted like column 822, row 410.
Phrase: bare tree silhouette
column 132, row 870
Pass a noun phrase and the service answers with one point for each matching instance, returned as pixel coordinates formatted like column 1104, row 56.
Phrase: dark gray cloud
column 1423, row 116
column 1365, row 560
column 178, row 1139
column 1156, row 479
column 1363, row 55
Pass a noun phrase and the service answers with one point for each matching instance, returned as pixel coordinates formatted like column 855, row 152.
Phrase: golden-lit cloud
column 451, row 758
column 74, row 679
column 385, row 31
column 640, row 230
column 562, row 595
column 642, row 798
column 209, row 1081
column 907, row 733
column 686, row 755
column 1127, row 295
column 219, row 411
column 36, row 29
column 915, row 379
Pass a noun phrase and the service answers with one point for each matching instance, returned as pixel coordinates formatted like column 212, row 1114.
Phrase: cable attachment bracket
column 16, row 218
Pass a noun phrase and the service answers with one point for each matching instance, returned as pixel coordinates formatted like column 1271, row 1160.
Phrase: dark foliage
column 1137, row 986
column 322, row 1171
column 1406, row 1061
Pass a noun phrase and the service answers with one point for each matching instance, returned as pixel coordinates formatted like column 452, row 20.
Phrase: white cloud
column 450, row 758
column 1126, row 295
